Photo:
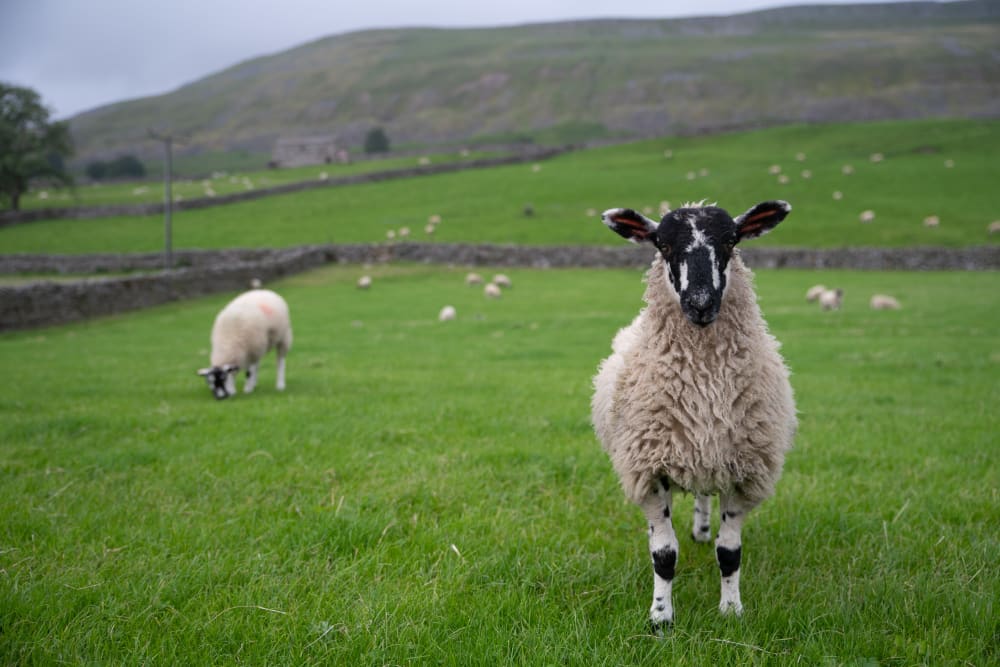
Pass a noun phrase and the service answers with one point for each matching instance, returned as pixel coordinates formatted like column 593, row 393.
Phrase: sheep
column 447, row 313
column 695, row 396
column 364, row 282
column 812, row 294
column 492, row 290
column 831, row 299
column 883, row 302
column 473, row 279
column 502, row 280
column 243, row 332
column 866, row 216
column 994, row 227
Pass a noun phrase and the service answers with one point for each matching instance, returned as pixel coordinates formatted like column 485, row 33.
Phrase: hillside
column 584, row 80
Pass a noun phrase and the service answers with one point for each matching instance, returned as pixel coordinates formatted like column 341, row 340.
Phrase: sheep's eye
column 665, row 248
column 728, row 247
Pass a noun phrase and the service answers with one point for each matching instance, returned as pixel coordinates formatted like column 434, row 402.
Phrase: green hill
column 586, row 80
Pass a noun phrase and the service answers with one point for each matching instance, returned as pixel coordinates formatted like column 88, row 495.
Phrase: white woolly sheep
column 831, row 299
column 364, row 282
column 473, row 279
column 492, row 290
column 695, row 396
column 994, row 227
column 867, row 216
column 812, row 294
column 884, row 302
column 244, row 331
column 447, row 313
column 932, row 221
column 502, row 280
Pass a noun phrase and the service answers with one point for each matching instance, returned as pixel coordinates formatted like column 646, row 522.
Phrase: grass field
column 565, row 194
column 428, row 493
column 224, row 182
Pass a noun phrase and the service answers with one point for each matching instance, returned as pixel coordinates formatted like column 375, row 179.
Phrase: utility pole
column 168, row 199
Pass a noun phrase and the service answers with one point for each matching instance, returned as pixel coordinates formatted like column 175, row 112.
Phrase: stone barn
column 301, row 151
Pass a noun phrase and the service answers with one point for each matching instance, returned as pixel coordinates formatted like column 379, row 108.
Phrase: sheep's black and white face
column 696, row 243
column 221, row 380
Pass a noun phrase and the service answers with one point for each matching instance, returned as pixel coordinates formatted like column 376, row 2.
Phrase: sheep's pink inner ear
column 628, row 224
column 762, row 218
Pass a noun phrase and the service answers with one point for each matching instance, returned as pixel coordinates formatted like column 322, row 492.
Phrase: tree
column 31, row 146
column 376, row 141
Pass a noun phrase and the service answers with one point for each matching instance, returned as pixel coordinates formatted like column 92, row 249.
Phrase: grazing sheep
column 695, row 396
column 812, row 294
column 244, row 331
column 994, row 227
column 473, row 279
column 867, row 216
column 884, row 302
column 831, row 299
column 502, row 280
column 932, row 221
column 838, row 195
column 364, row 282
column 447, row 313
column 492, row 290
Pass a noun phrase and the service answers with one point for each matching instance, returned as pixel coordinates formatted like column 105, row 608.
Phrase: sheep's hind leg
column 663, row 551
column 728, row 551
column 281, row 352
column 701, row 530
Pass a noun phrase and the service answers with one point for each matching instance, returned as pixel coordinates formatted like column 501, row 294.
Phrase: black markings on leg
column 664, row 562
column 666, row 512
column 729, row 559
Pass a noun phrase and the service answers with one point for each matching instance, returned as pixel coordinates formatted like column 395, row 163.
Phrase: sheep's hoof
column 702, row 536
column 659, row 628
column 731, row 608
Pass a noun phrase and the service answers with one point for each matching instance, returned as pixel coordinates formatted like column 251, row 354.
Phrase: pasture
column 432, row 493
column 566, row 194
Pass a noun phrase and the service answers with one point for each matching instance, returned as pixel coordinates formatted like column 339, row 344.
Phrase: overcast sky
column 81, row 54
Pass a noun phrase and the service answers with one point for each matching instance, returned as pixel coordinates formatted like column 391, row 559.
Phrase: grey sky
column 81, row 54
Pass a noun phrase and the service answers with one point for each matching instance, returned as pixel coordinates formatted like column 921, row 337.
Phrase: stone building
column 300, row 151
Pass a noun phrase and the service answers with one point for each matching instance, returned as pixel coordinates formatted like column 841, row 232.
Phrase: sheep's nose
column 700, row 300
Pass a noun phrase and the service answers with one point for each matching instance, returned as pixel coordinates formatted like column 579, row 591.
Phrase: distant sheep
column 473, row 279
column 812, row 294
column 243, row 332
column 994, row 227
column 932, row 221
column 867, row 216
column 695, row 396
column 831, row 299
column 492, row 290
column 884, row 302
column 447, row 313
column 502, row 280
column 364, row 282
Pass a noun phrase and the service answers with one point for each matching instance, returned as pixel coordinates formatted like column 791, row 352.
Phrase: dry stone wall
column 201, row 272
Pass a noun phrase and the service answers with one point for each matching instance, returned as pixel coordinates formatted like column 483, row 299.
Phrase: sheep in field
column 831, row 299
column 244, row 331
column 695, row 396
column 884, row 302
column 812, row 294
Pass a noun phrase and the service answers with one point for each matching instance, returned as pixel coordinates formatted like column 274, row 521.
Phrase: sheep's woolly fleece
column 711, row 408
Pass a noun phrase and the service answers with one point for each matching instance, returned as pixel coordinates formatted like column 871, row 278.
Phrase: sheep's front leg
column 728, row 551
column 663, row 550
column 701, row 530
column 251, row 382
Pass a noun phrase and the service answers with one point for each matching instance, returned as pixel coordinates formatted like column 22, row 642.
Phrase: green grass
column 223, row 182
column 567, row 193
column 428, row 493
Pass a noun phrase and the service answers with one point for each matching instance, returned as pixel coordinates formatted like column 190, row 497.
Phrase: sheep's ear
column 630, row 225
column 761, row 219
column 204, row 371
